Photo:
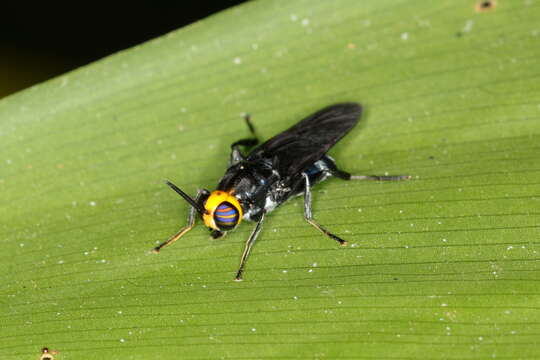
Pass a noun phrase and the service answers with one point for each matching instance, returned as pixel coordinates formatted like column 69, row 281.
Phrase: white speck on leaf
column 64, row 81
column 468, row 26
column 423, row 23
column 305, row 22
column 405, row 36
column 92, row 203
column 237, row 60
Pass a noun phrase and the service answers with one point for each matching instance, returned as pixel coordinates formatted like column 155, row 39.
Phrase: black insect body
column 286, row 165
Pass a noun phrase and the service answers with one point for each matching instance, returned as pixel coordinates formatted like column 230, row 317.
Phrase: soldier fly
column 287, row 165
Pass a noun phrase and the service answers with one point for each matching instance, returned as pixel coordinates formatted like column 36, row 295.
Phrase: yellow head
column 223, row 211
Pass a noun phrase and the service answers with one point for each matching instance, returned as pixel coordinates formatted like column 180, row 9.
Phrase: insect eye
column 226, row 216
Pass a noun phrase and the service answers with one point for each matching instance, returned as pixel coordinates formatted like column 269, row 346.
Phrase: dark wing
column 297, row 148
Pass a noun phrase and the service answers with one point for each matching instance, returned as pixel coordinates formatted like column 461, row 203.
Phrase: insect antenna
column 186, row 197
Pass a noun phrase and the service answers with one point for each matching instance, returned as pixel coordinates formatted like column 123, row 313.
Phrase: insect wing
column 300, row 146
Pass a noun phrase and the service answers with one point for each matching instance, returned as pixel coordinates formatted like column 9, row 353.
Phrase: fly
column 258, row 181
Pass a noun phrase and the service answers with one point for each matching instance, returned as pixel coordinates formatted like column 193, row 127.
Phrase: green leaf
column 444, row 266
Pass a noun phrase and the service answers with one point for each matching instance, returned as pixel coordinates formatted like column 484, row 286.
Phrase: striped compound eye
column 226, row 216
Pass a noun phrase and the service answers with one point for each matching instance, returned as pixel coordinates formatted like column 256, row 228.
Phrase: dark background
column 38, row 42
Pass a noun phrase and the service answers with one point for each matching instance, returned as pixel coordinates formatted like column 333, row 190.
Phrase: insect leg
column 380, row 177
column 346, row 176
column 185, row 229
column 249, row 124
column 247, row 248
column 236, row 154
column 309, row 217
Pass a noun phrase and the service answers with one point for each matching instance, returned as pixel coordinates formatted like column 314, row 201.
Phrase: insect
column 288, row 164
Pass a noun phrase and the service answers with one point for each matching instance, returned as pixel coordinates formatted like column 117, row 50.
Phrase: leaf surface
column 444, row 266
